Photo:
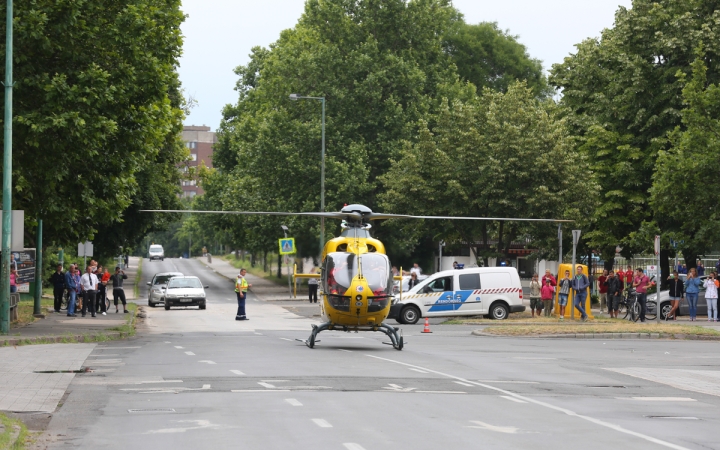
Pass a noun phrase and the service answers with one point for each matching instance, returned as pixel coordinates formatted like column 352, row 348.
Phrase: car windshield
column 341, row 268
column 180, row 283
column 162, row 279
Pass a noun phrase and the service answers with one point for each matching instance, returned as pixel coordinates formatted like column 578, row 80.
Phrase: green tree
column 498, row 155
column 623, row 97
column 685, row 183
column 381, row 66
column 489, row 57
column 97, row 115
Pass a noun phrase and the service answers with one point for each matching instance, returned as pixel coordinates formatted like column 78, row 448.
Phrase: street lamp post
column 295, row 97
column 7, row 176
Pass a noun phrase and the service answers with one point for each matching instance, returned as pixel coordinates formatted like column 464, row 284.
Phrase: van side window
column 469, row 281
column 496, row 280
column 439, row 285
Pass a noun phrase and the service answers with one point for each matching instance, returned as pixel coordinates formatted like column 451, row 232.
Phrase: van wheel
column 167, row 306
column 409, row 315
column 499, row 311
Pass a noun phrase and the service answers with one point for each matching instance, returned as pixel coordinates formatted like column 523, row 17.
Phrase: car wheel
column 167, row 306
column 410, row 315
column 499, row 311
column 665, row 311
column 151, row 304
column 202, row 306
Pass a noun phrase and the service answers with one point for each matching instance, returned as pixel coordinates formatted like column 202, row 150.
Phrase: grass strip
column 26, row 308
column 14, row 433
column 621, row 326
column 138, row 277
column 524, row 317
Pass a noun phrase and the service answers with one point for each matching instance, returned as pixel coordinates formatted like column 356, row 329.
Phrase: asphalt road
column 199, row 379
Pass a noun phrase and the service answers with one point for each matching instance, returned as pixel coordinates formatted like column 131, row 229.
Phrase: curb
column 676, row 336
column 80, row 338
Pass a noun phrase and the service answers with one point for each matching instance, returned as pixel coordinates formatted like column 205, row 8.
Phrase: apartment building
column 199, row 140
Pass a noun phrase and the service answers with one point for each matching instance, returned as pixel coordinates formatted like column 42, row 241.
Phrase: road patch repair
column 34, row 378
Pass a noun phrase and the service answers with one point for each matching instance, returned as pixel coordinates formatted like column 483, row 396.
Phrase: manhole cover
column 152, row 410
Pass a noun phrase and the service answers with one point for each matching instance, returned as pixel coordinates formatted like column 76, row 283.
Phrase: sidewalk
column 58, row 327
column 263, row 289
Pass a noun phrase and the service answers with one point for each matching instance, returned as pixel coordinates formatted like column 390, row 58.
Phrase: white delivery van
column 492, row 291
column 156, row 252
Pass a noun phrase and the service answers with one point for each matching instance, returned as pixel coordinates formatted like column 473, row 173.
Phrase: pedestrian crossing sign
column 287, row 246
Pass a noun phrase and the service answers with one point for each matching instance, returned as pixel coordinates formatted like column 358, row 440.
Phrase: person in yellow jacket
column 241, row 288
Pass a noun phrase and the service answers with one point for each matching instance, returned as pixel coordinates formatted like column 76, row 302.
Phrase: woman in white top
column 711, row 297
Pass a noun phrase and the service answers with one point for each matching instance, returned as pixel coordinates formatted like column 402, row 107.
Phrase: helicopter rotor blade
column 381, row 216
column 329, row 215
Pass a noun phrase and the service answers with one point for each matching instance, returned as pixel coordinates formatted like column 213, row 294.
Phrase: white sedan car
column 185, row 291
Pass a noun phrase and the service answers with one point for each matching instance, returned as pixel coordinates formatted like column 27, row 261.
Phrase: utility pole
column 37, row 307
column 576, row 240
column 7, row 176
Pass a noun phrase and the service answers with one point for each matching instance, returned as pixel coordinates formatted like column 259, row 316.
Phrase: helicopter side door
column 467, row 297
column 440, row 296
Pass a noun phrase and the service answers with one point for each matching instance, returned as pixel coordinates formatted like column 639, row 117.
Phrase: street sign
column 657, row 245
column 17, row 233
column 85, row 248
column 576, row 236
column 287, row 246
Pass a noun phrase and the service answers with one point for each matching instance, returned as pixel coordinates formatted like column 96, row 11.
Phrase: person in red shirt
column 641, row 284
column 629, row 276
column 602, row 289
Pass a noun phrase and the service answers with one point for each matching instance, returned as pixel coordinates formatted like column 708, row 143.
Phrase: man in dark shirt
column 58, row 281
column 118, row 293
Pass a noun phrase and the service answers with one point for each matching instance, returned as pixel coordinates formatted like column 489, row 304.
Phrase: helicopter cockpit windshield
column 341, row 268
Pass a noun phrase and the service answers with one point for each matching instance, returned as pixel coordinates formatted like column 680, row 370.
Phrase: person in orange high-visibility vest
column 241, row 288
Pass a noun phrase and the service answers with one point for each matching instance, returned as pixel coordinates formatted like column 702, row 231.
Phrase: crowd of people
column 87, row 292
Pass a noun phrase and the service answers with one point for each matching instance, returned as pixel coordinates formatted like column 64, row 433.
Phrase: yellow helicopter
column 356, row 278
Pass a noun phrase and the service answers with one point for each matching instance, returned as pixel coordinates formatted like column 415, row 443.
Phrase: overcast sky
column 220, row 33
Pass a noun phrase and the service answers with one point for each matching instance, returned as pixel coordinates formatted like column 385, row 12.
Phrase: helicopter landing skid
column 391, row 332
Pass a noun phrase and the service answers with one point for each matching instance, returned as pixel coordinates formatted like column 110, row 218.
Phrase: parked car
column 156, row 291
column 684, row 309
column 156, row 252
column 405, row 283
column 492, row 291
column 185, row 291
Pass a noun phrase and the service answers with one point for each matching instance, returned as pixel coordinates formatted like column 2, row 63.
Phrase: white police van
column 489, row 291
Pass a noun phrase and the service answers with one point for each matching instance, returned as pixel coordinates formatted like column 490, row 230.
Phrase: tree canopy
column 97, row 116
column 623, row 97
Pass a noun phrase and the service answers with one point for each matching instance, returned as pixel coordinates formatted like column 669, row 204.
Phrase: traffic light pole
column 7, row 177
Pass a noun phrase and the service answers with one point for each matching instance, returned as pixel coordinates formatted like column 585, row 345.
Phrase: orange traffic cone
column 427, row 326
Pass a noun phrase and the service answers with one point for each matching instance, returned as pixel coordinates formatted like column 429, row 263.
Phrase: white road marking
column 190, row 353
column 440, row 392
column 343, row 350
column 546, row 405
column 207, row 361
column 260, row 390
column 461, row 383
column 398, row 388
column 286, row 339
column 659, row 399
column 487, row 426
column 159, row 381
column 512, row 399
column 267, row 385
column 293, row 402
column 168, row 342
column 105, row 355
column 166, row 390
column 322, row 423
column 508, row 382
column 418, row 370
column 352, row 446
column 259, row 334
column 200, row 424
column 177, row 346
column 274, row 381
column 237, row 372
